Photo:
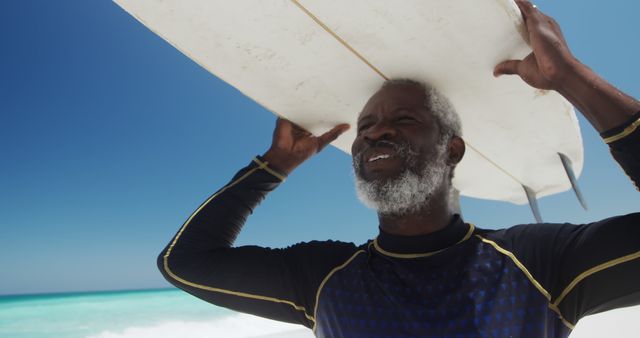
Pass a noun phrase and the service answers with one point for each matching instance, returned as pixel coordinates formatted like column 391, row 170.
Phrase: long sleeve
column 624, row 143
column 581, row 268
column 586, row 268
column 279, row 284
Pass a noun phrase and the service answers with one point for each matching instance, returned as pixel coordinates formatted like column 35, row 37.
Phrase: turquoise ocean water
column 77, row 315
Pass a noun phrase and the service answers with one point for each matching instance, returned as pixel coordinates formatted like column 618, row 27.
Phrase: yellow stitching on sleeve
column 202, row 206
column 519, row 264
column 626, row 132
column 239, row 294
column 265, row 165
column 209, row 288
column 420, row 255
column 593, row 270
column 530, row 277
column 326, row 278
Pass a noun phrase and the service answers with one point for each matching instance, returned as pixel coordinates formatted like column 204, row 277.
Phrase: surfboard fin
column 533, row 203
column 566, row 163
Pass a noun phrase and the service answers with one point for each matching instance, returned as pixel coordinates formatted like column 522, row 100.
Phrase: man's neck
column 435, row 215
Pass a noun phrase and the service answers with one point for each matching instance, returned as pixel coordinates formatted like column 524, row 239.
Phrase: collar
column 399, row 246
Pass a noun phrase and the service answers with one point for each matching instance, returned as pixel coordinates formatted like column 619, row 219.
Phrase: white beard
column 407, row 193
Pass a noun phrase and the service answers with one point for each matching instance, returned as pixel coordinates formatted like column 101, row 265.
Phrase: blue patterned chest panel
column 469, row 290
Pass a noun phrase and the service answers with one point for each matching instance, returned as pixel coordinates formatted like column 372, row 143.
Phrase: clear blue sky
column 109, row 138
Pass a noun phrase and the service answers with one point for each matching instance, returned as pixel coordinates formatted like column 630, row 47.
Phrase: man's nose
column 379, row 131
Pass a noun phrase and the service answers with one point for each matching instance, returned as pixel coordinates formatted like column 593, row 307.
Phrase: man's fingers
column 299, row 130
column 284, row 128
column 283, row 125
column 506, row 68
column 530, row 13
column 331, row 135
column 288, row 128
column 526, row 7
column 286, row 131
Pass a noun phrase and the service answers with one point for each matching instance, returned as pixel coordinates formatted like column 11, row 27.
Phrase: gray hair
column 446, row 115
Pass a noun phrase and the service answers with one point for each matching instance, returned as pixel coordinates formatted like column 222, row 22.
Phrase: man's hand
column 551, row 60
column 293, row 145
column 552, row 66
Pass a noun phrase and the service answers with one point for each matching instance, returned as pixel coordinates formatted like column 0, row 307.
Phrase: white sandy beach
column 292, row 334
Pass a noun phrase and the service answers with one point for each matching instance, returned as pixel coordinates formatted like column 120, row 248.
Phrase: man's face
column 396, row 132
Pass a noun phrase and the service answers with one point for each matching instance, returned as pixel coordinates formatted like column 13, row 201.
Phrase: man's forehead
column 394, row 96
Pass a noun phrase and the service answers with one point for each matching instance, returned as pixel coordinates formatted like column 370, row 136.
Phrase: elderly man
column 428, row 273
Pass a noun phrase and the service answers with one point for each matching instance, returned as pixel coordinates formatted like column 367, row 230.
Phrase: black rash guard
column 530, row 280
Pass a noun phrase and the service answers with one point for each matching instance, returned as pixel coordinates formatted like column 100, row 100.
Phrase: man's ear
column 456, row 150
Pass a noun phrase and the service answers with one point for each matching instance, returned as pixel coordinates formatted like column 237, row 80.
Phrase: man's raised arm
column 593, row 267
column 273, row 283
column 551, row 65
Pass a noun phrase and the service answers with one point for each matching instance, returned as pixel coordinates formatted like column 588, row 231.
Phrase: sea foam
column 233, row 326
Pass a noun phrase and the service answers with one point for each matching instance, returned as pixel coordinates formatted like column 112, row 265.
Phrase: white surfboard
column 316, row 62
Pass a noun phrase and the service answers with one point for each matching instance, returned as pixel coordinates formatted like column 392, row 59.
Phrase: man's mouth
column 377, row 155
column 381, row 159
column 385, row 157
column 382, row 150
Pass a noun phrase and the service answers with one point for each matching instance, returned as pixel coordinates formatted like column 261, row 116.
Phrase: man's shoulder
column 318, row 258
column 533, row 231
column 328, row 244
column 327, row 248
column 530, row 231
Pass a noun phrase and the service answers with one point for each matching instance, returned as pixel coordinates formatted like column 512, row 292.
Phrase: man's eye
column 405, row 118
column 363, row 127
